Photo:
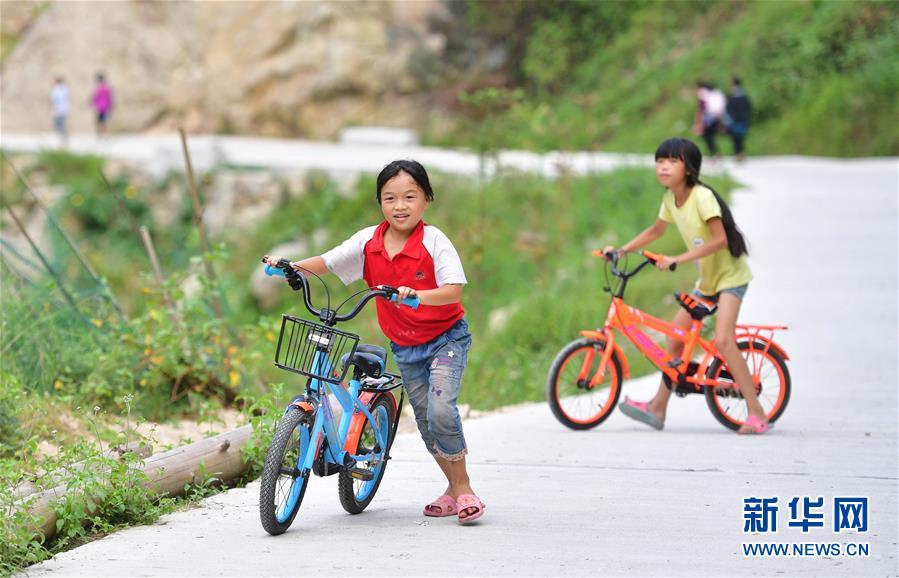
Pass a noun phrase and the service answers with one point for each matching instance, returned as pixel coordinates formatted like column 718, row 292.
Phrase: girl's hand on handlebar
column 610, row 249
column 275, row 259
column 665, row 262
column 404, row 292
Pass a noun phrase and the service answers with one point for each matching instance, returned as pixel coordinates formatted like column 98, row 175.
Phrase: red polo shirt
column 427, row 261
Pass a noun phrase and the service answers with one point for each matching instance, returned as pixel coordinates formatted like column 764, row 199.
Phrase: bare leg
column 725, row 327
column 659, row 404
column 457, row 475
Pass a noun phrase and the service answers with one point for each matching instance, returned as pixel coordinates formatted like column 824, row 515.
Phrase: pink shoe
column 755, row 425
column 466, row 501
column 639, row 410
column 443, row 506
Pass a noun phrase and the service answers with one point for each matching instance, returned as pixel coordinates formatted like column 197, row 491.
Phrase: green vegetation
column 103, row 492
column 620, row 76
column 525, row 242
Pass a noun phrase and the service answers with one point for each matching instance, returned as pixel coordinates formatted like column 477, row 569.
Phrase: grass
column 821, row 76
column 525, row 242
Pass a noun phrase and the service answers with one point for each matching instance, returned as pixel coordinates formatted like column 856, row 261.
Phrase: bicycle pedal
column 675, row 363
column 360, row 474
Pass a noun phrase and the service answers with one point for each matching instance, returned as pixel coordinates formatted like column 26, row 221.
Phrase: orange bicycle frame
column 630, row 321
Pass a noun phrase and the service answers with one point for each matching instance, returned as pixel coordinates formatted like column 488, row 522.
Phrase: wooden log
column 220, row 456
column 167, row 472
column 27, row 488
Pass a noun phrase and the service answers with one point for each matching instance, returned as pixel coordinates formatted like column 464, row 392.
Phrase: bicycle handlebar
column 654, row 257
column 298, row 281
column 613, row 257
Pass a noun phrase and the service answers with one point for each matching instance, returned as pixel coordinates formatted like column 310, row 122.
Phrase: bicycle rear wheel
column 283, row 487
column 772, row 382
column 571, row 397
column 357, row 486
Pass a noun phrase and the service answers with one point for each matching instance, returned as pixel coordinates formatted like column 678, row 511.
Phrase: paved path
column 160, row 153
column 623, row 499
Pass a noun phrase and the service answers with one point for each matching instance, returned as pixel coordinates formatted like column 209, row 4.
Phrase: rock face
column 303, row 69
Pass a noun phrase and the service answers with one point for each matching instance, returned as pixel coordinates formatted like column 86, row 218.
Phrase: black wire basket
column 301, row 339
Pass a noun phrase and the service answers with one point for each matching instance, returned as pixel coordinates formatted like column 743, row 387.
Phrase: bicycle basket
column 301, row 339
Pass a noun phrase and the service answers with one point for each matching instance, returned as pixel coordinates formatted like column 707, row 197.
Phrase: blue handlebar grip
column 269, row 270
column 412, row 302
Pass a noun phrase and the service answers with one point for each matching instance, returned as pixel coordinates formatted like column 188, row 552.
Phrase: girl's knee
column 444, row 420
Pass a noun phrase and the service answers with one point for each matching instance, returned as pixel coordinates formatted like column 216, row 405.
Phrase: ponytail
column 736, row 244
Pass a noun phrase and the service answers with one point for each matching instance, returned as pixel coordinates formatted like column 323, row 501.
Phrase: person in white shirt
column 711, row 104
column 59, row 102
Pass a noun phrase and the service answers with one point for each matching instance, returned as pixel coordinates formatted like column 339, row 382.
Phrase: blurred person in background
column 710, row 108
column 738, row 114
column 101, row 101
column 59, row 105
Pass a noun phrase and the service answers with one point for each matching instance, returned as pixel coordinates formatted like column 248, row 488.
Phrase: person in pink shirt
column 102, row 103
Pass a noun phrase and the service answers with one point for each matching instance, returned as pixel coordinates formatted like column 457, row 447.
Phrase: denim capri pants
column 738, row 292
column 432, row 376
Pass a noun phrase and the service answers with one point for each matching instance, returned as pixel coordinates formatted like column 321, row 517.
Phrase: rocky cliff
column 301, row 69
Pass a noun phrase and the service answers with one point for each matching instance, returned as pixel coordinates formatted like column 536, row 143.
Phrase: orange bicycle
column 584, row 381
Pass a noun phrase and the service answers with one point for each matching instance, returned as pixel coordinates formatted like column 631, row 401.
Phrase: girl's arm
column 441, row 296
column 314, row 264
column 716, row 243
column 649, row 235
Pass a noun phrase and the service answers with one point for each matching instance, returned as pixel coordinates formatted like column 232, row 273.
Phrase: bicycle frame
column 344, row 435
column 629, row 321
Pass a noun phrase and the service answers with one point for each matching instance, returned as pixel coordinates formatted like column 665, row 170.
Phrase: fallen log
column 27, row 488
column 167, row 473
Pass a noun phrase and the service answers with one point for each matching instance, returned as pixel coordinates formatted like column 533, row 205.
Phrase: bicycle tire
column 562, row 388
column 278, row 506
column 356, row 495
column 715, row 396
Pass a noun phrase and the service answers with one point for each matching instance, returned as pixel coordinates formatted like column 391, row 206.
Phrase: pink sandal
column 755, row 425
column 466, row 501
column 639, row 410
column 443, row 506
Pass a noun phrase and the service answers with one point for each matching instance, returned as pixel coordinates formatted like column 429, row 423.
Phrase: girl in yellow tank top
column 707, row 227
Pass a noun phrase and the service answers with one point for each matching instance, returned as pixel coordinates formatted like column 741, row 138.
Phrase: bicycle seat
column 696, row 306
column 370, row 359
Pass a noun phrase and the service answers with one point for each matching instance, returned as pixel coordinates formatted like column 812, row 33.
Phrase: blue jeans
column 432, row 376
column 738, row 292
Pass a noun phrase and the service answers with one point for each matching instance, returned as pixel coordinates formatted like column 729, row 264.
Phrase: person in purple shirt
column 102, row 103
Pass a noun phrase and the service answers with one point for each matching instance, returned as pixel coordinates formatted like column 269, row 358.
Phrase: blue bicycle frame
column 324, row 419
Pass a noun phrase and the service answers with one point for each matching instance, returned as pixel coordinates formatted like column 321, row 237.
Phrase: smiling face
column 671, row 172
column 403, row 202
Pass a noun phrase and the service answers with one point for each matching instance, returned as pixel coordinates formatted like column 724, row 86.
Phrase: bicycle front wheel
column 573, row 399
column 357, row 486
column 283, row 486
column 772, row 383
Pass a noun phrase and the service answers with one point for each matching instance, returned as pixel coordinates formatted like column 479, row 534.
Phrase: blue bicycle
column 308, row 438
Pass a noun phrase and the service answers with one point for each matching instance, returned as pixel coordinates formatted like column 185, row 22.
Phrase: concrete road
column 623, row 499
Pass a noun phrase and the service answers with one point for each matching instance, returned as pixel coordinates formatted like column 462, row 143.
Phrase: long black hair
column 411, row 168
column 687, row 151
